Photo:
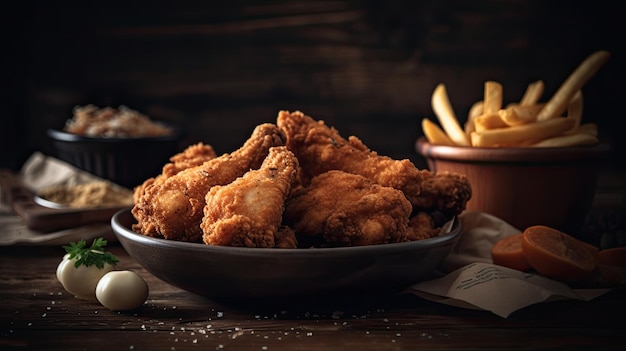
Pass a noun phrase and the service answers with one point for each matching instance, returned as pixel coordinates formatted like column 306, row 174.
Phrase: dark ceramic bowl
column 257, row 273
column 124, row 161
column 525, row 186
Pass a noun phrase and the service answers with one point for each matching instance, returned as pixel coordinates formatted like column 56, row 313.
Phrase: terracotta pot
column 525, row 186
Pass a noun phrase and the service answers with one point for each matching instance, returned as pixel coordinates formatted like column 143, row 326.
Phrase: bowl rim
column 511, row 154
column 63, row 136
column 454, row 231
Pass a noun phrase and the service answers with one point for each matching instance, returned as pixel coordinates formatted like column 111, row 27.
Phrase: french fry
column 589, row 128
column 445, row 114
column 577, row 139
column 528, row 123
column 516, row 115
column 533, row 93
column 575, row 108
column 488, row 121
column 574, row 82
column 585, row 128
column 525, row 134
column 492, row 98
column 434, row 134
column 474, row 111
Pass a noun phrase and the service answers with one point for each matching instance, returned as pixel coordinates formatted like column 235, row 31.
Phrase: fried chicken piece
column 422, row 226
column 248, row 212
column 321, row 148
column 444, row 192
column 286, row 238
column 349, row 210
column 192, row 156
column 173, row 209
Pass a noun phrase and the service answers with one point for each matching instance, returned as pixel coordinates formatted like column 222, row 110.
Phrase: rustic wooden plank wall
column 367, row 67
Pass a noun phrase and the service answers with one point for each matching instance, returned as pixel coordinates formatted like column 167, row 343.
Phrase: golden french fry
column 524, row 124
column 520, row 135
column 434, row 134
column 492, row 98
column 575, row 108
column 488, row 121
column 577, row 139
column 474, row 111
column 559, row 101
column 469, row 127
column 585, row 128
column 445, row 114
column 516, row 115
column 533, row 93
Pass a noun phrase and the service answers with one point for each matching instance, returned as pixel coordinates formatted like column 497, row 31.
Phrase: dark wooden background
column 366, row 67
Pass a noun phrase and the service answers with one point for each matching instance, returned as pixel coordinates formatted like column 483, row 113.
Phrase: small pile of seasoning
column 92, row 194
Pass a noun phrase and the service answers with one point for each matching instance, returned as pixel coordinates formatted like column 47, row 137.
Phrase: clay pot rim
column 469, row 154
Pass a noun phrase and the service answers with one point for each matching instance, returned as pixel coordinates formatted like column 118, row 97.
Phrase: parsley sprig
column 94, row 255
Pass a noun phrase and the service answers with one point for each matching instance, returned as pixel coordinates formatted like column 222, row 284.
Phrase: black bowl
column 257, row 273
column 124, row 161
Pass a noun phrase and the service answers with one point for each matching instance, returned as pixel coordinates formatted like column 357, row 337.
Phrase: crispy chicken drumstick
column 249, row 211
column 173, row 207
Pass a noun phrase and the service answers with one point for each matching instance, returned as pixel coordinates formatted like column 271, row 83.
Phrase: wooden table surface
column 36, row 313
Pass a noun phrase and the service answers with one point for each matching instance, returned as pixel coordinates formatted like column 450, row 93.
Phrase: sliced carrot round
column 615, row 256
column 591, row 248
column 612, row 265
column 508, row 252
column 557, row 255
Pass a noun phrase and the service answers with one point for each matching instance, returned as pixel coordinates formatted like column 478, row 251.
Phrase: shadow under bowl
column 225, row 272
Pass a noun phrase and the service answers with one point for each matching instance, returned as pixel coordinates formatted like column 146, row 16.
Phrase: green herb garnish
column 94, row 255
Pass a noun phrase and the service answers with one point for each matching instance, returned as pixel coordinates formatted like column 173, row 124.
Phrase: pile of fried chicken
column 296, row 184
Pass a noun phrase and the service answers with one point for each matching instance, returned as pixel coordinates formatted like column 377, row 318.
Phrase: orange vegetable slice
column 508, row 252
column 557, row 255
column 615, row 256
column 612, row 265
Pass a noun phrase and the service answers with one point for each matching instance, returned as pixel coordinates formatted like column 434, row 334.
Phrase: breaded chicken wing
column 443, row 192
column 173, row 208
column 348, row 210
column 422, row 226
column 286, row 238
column 192, row 156
column 248, row 212
column 321, row 148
